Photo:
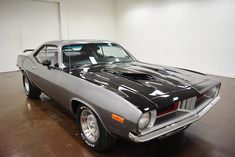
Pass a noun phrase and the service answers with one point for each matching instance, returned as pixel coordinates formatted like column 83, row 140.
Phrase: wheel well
column 75, row 105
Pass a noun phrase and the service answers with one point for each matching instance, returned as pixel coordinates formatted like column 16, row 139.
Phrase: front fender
column 105, row 103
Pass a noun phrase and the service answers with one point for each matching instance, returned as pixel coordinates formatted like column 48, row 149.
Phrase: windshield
column 81, row 54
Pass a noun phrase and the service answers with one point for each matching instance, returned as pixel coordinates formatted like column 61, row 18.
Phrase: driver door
column 46, row 77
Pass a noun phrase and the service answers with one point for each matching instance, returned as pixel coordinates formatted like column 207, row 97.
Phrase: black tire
column 104, row 141
column 30, row 90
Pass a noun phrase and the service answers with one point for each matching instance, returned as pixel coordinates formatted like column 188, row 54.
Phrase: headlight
column 147, row 120
column 144, row 120
column 213, row 92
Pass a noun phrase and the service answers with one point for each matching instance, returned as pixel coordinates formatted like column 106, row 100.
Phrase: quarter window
column 48, row 52
column 41, row 55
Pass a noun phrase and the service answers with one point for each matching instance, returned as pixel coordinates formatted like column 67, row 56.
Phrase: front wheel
column 92, row 131
column 30, row 90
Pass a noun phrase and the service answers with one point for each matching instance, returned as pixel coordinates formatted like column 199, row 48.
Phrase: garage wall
column 81, row 18
column 39, row 22
column 88, row 19
column 195, row 34
column 10, row 42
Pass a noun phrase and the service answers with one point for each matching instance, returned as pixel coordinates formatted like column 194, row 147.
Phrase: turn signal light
column 118, row 118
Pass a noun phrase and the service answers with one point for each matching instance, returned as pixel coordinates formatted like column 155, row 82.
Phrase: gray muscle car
column 112, row 95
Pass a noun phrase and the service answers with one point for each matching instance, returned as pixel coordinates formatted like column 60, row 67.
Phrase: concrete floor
column 41, row 128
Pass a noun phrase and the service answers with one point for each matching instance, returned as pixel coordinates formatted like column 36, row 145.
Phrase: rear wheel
column 30, row 90
column 92, row 131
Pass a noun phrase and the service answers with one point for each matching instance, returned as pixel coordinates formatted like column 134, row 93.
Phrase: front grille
column 188, row 104
column 168, row 109
column 201, row 100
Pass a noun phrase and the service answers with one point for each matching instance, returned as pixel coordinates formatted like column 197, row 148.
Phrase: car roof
column 83, row 41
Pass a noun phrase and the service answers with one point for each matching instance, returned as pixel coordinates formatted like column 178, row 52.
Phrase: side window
column 41, row 55
column 48, row 52
column 111, row 50
column 52, row 55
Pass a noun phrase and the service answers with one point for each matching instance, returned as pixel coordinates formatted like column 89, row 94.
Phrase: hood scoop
column 137, row 76
column 132, row 75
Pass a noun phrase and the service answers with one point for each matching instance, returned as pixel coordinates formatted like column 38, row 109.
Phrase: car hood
column 145, row 85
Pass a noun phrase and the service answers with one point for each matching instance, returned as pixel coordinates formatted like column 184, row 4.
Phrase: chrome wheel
column 89, row 125
column 26, row 84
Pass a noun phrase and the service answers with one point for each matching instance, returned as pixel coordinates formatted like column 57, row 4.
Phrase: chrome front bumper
column 174, row 125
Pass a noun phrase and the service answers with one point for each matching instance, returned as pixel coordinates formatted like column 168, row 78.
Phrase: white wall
column 10, row 43
column 39, row 22
column 87, row 19
column 195, row 34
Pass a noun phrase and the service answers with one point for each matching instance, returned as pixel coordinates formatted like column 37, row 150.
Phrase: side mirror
column 46, row 63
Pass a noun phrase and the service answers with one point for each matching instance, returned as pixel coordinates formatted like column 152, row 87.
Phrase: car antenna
column 70, row 71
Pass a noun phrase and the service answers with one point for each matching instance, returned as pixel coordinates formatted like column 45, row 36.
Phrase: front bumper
column 174, row 125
